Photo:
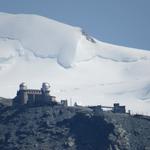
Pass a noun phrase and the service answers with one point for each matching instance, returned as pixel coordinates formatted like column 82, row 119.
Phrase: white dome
column 23, row 86
column 45, row 86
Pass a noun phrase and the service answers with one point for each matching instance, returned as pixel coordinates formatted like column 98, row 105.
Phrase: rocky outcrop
column 71, row 128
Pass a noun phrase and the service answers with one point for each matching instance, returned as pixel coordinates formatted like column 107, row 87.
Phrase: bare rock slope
column 71, row 128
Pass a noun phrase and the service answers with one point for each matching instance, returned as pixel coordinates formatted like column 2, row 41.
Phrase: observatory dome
column 23, row 86
column 45, row 86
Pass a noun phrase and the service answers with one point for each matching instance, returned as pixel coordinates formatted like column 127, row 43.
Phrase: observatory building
column 34, row 97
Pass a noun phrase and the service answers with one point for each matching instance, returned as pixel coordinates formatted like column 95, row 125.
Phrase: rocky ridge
column 71, row 128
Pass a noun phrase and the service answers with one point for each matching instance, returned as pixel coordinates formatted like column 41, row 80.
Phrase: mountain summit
column 80, row 68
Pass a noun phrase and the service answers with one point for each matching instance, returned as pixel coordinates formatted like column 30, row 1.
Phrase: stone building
column 64, row 103
column 119, row 109
column 34, row 97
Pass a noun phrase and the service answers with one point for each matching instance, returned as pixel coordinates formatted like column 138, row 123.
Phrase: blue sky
column 122, row 22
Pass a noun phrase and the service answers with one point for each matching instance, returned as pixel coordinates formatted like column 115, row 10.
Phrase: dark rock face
column 89, row 132
column 6, row 102
column 71, row 128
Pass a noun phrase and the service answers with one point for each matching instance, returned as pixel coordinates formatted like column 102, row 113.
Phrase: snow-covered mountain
column 79, row 67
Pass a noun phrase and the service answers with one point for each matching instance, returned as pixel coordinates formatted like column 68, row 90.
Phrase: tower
column 22, row 96
column 45, row 88
column 45, row 92
column 23, row 86
column 23, row 93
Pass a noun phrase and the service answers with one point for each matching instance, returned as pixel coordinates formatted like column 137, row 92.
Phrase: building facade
column 34, row 97
column 119, row 109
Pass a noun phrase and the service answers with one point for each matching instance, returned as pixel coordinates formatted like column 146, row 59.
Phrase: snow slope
column 80, row 68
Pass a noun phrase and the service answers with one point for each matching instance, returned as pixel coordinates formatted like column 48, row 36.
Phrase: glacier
column 79, row 67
